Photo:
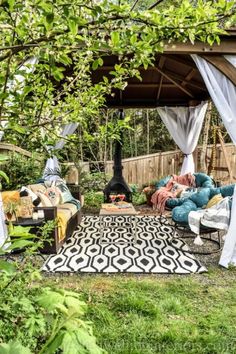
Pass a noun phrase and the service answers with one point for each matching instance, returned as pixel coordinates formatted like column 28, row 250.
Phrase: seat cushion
column 203, row 180
column 227, row 191
column 180, row 213
column 68, row 207
column 201, row 198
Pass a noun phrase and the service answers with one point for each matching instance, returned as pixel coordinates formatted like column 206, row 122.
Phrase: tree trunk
column 203, row 152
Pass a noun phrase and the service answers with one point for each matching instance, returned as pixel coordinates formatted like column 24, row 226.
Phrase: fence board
column 143, row 169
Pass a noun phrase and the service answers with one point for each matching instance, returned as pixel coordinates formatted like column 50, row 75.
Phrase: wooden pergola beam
column 188, row 78
column 192, row 83
column 179, row 59
column 161, row 64
column 226, row 47
column 148, row 85
column 222, row 65
column 174, row 82
column 182, row 79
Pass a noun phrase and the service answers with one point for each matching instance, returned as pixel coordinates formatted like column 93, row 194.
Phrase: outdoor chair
column 196, row 202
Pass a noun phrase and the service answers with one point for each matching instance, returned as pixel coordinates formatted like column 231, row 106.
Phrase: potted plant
column 148, row 191
column 10, row 210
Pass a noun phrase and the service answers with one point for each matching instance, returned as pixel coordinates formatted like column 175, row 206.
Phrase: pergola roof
column 175, row 79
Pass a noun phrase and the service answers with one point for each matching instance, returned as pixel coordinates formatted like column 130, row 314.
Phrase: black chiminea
column 117, row 184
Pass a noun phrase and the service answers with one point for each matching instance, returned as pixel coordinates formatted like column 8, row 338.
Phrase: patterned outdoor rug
column 153, row 252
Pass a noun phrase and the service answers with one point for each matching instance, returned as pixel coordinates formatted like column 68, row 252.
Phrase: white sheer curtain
column 52, row 168
column 184, row 125
column 223, row 94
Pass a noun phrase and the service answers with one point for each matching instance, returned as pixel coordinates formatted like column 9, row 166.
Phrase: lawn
column 159, row 314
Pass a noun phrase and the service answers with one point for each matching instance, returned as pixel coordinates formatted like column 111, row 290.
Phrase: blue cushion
column 227, row 191
column 203, row 180
column 163, row 182
column 174, row 202
column 180, row 213
column 201, row 198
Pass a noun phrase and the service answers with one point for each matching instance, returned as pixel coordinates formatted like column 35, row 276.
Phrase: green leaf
column 17, row 128
column 4, row 176
column 95, row 64
column 56, row 343
column 100, row 61
column 73, row 26
column 7, row 267
column 78, row 305
column 19, row 244
column 133, row 39
column 11, row 4
column 21, row 231
column 49, row 17
column 13, row 348
column 115, row 38
column 88, row 341
column 50, row 299
column 65, row 59
column 70, row 344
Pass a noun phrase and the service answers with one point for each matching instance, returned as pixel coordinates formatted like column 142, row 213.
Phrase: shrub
column 21, row 171
column 36, row 319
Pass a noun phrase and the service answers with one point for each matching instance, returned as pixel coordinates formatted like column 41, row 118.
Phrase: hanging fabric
column 52, row 168
column 184, row 125
column 223, row 94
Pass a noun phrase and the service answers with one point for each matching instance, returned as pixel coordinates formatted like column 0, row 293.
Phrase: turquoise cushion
column 213, row 192
column 227, row 191
column 163, row 182
column 174, row 202
column 201, row 198
column 203, row 180
column 180, row 213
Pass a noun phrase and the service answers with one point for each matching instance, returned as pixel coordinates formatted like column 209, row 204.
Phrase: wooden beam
column 182, row 79
column 223, row 65
column 188, row 77
column 161, row 64
column 147, row 85
column 227, row 46
column 180, row 59
column 159, row 88
column 174, row 82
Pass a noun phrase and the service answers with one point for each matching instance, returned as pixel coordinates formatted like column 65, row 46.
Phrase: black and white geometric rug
column 153, row 252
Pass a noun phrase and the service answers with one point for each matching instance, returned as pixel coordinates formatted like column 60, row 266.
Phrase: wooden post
column 203, row 151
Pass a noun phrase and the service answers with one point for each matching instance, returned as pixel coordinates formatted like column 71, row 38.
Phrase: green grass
column 159, row 314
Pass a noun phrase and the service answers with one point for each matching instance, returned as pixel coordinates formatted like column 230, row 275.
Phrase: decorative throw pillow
column 38, row 187
column 28, row 192
column 214, row 200
column 45, row 201
column 66, row 195
column 53, row 193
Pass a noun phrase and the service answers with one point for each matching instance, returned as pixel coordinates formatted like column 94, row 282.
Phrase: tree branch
column 134, row 4
column 155, row 4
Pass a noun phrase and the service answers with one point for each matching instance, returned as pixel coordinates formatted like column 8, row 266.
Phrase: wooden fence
column 143, row 169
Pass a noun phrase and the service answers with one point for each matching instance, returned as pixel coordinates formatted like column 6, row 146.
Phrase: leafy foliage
column 70, row 41
column 21, row 171
column 33, row 318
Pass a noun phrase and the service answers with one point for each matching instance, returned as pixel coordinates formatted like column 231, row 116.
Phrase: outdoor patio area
column 117, row 177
